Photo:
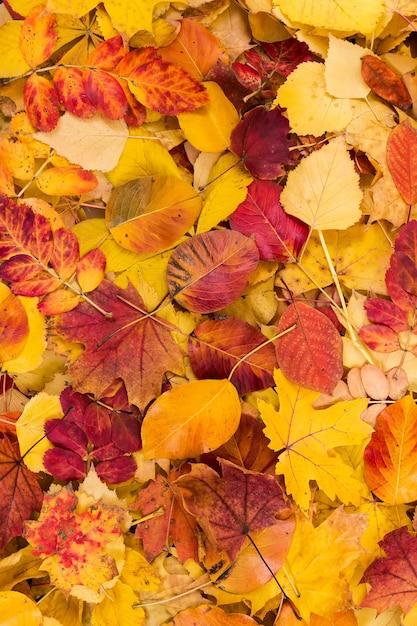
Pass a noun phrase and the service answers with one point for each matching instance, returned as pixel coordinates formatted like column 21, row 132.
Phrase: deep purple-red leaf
column 64, row 464
column 117, row 470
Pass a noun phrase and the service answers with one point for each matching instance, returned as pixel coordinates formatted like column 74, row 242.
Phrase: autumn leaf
column 69, row 85
column 385, row 82
column 308, row 439
column 393, row 577
column 307, row 357
column 210, row 270
column 41, row 102
column 401, row 155
column 14, row 325
column 38, row 36
column 230, row 507
column 21, row 491
column 207, row 615
column 206, row 415
column 129, row 345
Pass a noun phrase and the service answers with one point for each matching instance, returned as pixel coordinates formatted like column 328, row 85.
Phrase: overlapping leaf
column 401, row 160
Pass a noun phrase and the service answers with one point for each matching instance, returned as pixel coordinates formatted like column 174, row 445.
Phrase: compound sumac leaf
column 116, row 470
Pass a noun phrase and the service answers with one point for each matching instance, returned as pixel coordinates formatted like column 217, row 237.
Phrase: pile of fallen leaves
column 208, row 286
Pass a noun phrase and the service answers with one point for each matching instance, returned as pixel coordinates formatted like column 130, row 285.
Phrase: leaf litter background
column 208, row 281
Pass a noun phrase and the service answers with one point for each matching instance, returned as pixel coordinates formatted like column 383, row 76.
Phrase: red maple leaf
column 131, row 345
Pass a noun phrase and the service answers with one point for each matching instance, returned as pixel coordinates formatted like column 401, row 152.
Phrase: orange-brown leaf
column 38, row 36
column 166, row 88
column 41, row 103
column 402, row 160
column 210, row 270
column 208, row 615
column 385, row 82
column 66, row 181
column 390, row 457
column 310, row 355
column 195, row 49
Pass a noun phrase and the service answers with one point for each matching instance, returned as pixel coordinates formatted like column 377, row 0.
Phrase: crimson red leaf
column 64, row 464
column 402, row 160
column 405, row 272
column 117, row 470
column 106, row 453
column 260, row 139
column 393, row 578
column 67, row 435
column 406, row 241
column 387, row 313
column 380, row 338
column 278, row 236
column 208, row 271
column 287, row 54
column 97, row 424
column 20, row 491
column 125, row 433
column 310, row 355
column 74, row 405
column 217, row 345
column 247, row 76
column 385, row 82
column 405, row 300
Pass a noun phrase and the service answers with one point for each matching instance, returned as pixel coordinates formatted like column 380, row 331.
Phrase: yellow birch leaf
column 17, row 609
column 343, row 69
column 117, row 608
column 317, row 562
column 225, row 193
column 196, row 417
column 30, row 428
column 308, row 438
column 369, row 129
column 323, row 113
column 323, row 191
column 143, row 155
column 31, row 355
column 12, row 60
column 360, row 256
column 208, row 128
column 68, row 611
column 340, row 15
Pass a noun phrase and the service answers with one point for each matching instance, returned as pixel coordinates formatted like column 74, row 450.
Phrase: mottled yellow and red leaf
column 90, row 270
column 41, row 103
column 66, row 253
column 59, row 301
column 69, row 85
column 105, row 93
column 38, row 36
column 39, row 285
column 166, row 88
column 380, row 338
column 14, row 327
column 107, row 55
column 66, row 181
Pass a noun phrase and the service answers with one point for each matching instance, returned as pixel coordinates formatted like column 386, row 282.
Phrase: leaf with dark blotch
column 216, row 346
column 260, row 139
column 393, row 578
column 67, row 435
column 229, row 508
column 385, row 82
column 402, row 160
column 129, row 345
column 380, row 338
column 64, row 464
column 310, row 355
column 116, row 470
column 208, row 271
column 387, row 313
column 20, row 491
column 279, row 236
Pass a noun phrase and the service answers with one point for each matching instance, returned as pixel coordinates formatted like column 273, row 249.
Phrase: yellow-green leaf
column 196, row 417
column 323, row 191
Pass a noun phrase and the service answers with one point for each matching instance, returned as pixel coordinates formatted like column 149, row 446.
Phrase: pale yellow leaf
column 232, row 30
column 324, row 113
column 30, row 428
column 208, row 128
column 370, row 126
column 196, row 417
column 12, row 60
column 31, row 355
column 142, row 155
column 323, row 191
column 95, row 143
column 335, row 15
column 225, row 193
column 117, row 608
column 343, row 69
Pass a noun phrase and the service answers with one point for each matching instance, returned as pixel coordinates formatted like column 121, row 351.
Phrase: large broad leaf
column 128, row 345
column 323, row 191
column 390, row 457
column 278, row 235
column 230, row 507
column 308, row 439
column 152, row 213
column 402, row 160
column 21, row 493
column 193, row 418
column 311, row 353
column 393, row 578
column 210, row 270
column 216, row 346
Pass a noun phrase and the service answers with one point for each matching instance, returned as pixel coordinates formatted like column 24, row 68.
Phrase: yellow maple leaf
column 317, row 563
column 333, row 15
column 323, row 190
column 324, row 113
column 308, row 439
